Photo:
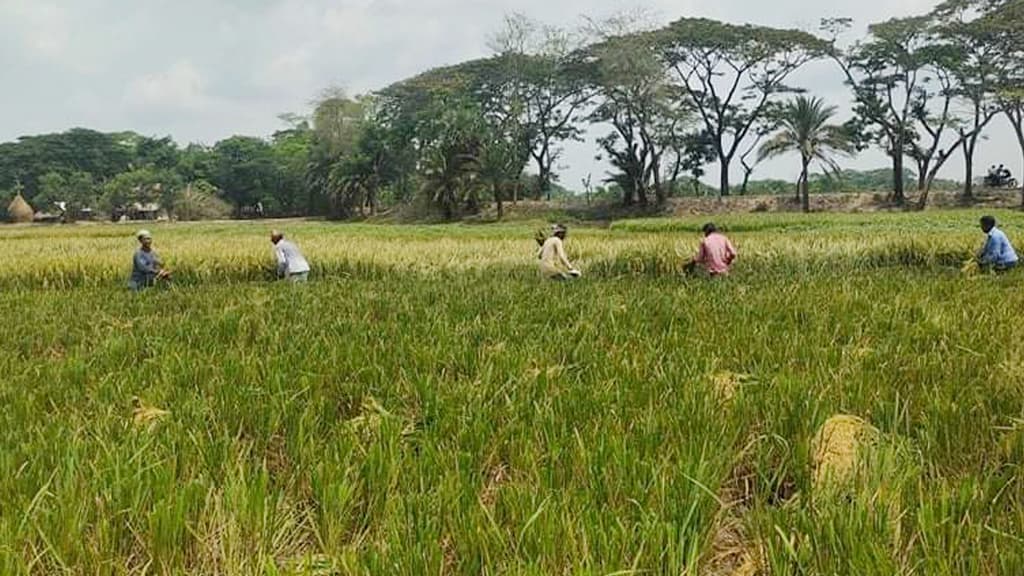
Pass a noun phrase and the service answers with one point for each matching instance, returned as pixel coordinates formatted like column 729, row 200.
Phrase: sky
column 203, row 70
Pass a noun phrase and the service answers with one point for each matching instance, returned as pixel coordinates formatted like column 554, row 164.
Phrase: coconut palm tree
column 805, row 129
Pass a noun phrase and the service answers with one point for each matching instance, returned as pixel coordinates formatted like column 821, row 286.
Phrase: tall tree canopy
column 731, row 73
column 647, row 114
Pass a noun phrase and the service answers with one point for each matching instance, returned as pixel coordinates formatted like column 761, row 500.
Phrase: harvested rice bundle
column 838, row 448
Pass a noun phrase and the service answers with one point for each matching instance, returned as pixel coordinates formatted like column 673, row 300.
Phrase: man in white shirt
column 554, row 264
column 291, row 265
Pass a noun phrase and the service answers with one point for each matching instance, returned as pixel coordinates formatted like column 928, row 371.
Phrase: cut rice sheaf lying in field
column 839, row 449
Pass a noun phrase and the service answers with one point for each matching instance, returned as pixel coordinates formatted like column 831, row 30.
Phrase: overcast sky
column 202, row 70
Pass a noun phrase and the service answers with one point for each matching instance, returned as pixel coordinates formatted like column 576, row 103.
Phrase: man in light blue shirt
column 997, row 253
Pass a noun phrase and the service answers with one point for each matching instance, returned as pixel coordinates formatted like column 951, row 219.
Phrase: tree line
column 670, row 101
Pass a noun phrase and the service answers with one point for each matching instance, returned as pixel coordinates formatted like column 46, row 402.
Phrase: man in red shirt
column 716, row 253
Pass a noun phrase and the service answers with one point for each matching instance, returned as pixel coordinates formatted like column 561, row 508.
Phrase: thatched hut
column 19, row 210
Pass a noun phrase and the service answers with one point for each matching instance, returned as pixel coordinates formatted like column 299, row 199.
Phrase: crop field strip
column 428, row 406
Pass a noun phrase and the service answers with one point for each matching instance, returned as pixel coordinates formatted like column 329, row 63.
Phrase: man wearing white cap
column 291, row 265
column 147, row 268
column 554, row 264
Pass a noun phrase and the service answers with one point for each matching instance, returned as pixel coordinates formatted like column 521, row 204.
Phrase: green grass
column 428, row 406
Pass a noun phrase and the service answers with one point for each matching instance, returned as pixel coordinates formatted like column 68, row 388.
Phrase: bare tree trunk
column 543, row 173
column 627, row 193
column 497, row 200
column 968, row 149
column 746, row 180
column 449, row 199
column 805, row 193
column 898, row 195
column 723, row 189
column 1016, row 117
column 659, row 189
column 641, row 191
column 922, row 174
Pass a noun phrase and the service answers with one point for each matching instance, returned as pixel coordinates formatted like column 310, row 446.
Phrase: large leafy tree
column 450, row 161
column 467, row 126
column 290, row 150
column 542, row 64
column 100, row 155
column 886, row 73
column 503, row 154
column 805, row 129
column 731, row 74
column 74, row 191
column 646, row 113
column 969, row 54
column 357, row 152
column 244, row 171
column 499, row 90
column 195, row 162
column 142, row 185
column 158, row 153
column 932, row 110
column 337, row 122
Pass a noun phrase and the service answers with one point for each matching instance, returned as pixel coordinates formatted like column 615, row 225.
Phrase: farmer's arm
column 702, row 254
column 985, row 255
column 562, row 256
column 162, row 271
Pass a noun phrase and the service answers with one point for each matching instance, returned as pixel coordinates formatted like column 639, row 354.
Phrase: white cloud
column 288, row 69
column 44, row 27
column 351, row 22
column 180, row 86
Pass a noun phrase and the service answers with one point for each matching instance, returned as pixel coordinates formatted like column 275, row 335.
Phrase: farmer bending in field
column 147, row 268
column 291, row 265
column 554, row 264
column 716, row 253
column 997, row 253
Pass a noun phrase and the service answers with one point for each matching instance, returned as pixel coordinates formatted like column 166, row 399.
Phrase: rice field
column 426, row 405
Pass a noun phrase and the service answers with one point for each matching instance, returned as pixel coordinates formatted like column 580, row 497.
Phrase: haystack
column 839, row 448
column 19, row 210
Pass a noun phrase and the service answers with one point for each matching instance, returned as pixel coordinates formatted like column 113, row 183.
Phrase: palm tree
column 805, row 129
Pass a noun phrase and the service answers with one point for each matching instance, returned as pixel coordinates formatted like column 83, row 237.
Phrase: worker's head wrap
column 143, row 234
column 558, row 229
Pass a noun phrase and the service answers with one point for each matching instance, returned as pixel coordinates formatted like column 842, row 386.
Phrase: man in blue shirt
column 146, row 265
column 997, row 253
